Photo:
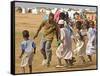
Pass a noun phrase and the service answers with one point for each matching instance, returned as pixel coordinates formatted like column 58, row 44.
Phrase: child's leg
column 43, row 42
column 59, row 64
column 90, row 58
column 30, row 62
column 59, row 61
column 30, row 68
column 43, row 53
column 48, row 51
column 23, row 69
column 67, row 62
column 44, row 62
column 82, row 58
column 71, row 61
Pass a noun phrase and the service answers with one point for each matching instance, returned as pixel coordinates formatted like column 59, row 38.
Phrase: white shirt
column 27, row 45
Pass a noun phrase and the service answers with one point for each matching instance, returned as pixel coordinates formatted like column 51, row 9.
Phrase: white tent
column 42, row 10
column 54, row 10
column 28, row 10
column 65, row 10
column 71, row 14
column 47, row 12
column 34, row 11
column 61, row 10
column 23, row 10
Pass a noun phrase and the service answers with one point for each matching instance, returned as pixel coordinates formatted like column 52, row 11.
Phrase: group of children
column 66, row 30
column 82, row 32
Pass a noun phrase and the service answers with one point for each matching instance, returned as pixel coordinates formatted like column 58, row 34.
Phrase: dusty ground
column 31, row 23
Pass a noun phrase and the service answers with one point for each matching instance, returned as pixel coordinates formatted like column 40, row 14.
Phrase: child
column 27, row 51
column 49, row 28
column 91, row 34
column 64, row 50
column 81, row 43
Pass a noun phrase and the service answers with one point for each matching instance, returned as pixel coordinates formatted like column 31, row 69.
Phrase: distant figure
column 27, row 47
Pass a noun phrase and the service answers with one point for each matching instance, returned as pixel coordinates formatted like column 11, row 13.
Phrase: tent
column 47, row 12
column 23, row 10
column 34, row 11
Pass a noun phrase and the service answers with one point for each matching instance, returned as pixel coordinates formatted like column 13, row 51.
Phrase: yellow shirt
column 48, row 29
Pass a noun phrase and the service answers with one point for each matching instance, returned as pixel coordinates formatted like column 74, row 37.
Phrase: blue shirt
column 28, row 45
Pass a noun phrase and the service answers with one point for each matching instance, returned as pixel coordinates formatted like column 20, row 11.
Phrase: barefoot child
column 27, row 54
column 64, row 50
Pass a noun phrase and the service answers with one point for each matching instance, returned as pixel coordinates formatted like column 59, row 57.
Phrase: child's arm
column 34, row 50
column 21, row 54
column 34, row 46
column 22, row 49
column 39, row 29
column 57, row 32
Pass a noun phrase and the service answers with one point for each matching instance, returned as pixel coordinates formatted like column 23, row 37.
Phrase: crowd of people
column 79, row 30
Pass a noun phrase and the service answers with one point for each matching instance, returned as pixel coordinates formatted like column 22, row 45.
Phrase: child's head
column 62, row 15
column 61, row 23
column 51, row 17
column 78, row 25
column 86, row 24
column 92, row 24
column 25, row 34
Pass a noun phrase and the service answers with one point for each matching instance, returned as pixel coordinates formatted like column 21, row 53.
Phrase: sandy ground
column 31, row 23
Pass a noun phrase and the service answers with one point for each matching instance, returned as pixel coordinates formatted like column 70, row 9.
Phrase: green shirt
column 48, row 29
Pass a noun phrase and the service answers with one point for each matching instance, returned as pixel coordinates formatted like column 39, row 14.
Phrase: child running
column 91, row 34
column 27, row 47
column 64, row 50
column 49, row 28
column 81, row 42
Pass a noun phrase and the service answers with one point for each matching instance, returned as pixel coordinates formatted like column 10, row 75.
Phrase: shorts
column 27, row 59
column 46, row 46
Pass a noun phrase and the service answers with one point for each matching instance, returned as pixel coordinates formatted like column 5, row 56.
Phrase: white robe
column 90, row 49
column 64, row 50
